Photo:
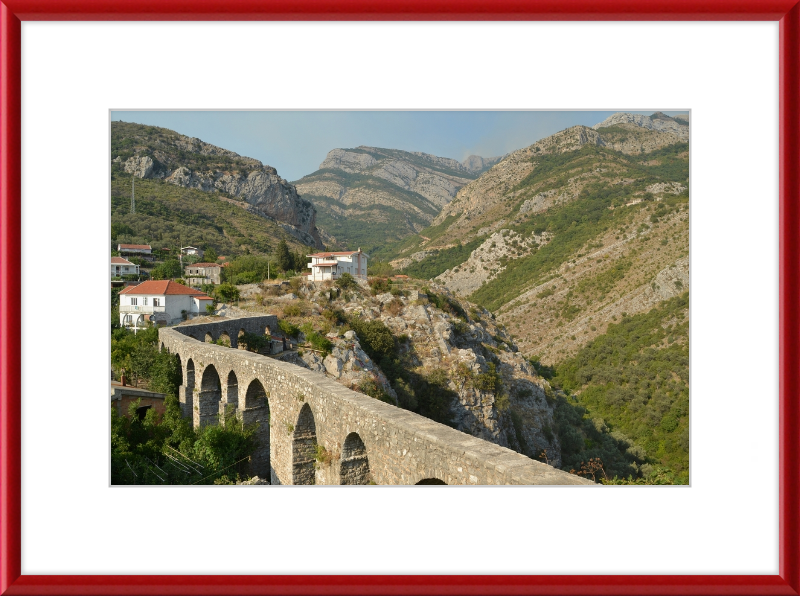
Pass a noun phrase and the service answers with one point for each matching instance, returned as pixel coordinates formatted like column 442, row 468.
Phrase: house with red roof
column 144, row 251
column 120, row 267
column 163, row 302
column 331, row 265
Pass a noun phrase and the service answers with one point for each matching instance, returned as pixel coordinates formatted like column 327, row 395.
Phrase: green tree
column 169, row 269
column 285, row 260
column 210, row 256
column 227, row 292
column 346, row 281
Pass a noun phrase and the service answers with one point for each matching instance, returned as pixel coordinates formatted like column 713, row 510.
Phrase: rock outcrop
column 657, row 121
column 191, row 163
column 491, row 384
column 395, row 193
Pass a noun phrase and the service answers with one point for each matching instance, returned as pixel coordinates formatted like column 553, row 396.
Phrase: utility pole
column 133, row 193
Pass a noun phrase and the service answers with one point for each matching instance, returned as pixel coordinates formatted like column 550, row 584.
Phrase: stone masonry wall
column 360, row 439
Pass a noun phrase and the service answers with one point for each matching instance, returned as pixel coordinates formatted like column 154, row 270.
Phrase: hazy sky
column 295, row 143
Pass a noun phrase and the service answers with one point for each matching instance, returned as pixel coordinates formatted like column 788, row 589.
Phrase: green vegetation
column 579, row 222
column 634, row 382
column 226, row 292
column 443, row 260
column 167, row 449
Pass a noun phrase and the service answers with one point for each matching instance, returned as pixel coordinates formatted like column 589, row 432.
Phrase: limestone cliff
column 559, row 239
column 367, row 196
column 492, row 391
column 151, row 152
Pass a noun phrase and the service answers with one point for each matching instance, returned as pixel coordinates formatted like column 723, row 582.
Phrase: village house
column 192, row 250
column 144, row 251
column 163, row 302
column 331, row 265
column 123, row 395
column 203, row 273
column 120, row 267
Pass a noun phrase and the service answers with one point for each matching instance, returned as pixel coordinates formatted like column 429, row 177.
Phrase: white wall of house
column 355, row 264
column 117, row 270
column 131, row 306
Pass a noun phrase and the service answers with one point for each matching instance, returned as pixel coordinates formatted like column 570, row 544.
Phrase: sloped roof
column 135, row 246
column 335, row 254
column 120, row 261
column 163, row 288
column 204, row 265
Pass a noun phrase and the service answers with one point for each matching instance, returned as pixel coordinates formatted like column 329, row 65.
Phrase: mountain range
column 368, row 196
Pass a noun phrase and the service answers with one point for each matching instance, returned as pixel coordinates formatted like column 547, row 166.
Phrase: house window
column 134, row 301
column 156, row 302
column 144, row 301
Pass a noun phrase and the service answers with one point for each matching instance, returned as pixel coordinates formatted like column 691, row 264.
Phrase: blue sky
column 295, row 143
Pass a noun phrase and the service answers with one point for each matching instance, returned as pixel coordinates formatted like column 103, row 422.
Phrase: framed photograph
column 67, row 70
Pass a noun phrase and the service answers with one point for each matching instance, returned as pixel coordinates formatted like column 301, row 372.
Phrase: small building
column 192, row 250
column 120, row 267
column 203, row 273
column 123, row 395
column 144, row 251
column 163, row 302
column 331, row 265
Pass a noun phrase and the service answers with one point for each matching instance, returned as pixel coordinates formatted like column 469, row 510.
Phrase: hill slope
column 367, row 196
column 162, row 155
column 562, row 237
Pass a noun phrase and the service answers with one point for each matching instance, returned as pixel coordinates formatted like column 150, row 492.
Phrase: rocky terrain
column 367, row 195
column 149, row 152
column 560, row 238
column 486, row 387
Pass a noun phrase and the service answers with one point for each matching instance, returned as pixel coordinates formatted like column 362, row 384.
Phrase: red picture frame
column 12, row 12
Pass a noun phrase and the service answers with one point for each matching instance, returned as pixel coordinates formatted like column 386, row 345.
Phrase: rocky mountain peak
column 151, row 152
column 657, row 121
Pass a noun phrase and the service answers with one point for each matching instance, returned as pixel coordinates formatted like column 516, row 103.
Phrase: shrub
column 254, row 342
column 346, row 281
column 378, row 285
column 288, row 328
column 292, row 310
column 395, row 307
column 371, row 388
column 227, row 292
column 319, row 342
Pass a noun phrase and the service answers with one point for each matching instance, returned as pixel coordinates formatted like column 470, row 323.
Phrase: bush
column 346, row 281
column 227, row 292
column 292, row 310
column 288, row 328
column 378, row 285
column 254, row 342
column 376, row 339
column 319, row 342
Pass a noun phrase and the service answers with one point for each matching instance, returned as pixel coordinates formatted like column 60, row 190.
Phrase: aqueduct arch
column 304, row 448
column 354, row 467
column 295, row 410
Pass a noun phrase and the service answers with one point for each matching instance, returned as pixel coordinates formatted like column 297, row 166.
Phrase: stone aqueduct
column 297, row 410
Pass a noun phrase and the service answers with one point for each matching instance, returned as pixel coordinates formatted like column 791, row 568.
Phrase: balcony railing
column 146, row 309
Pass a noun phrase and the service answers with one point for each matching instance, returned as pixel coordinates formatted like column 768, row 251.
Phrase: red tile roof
column 204, row 265
column 135, row 246
column 163, row 288
column 335, row 254
column 120, row 261
column 325, row 264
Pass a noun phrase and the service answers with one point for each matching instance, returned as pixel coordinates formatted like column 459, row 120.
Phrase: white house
column 144, row 251
column 192, row 250
column 331, row 265
column 135, row 249
column 160, row 302
column 120, row 266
